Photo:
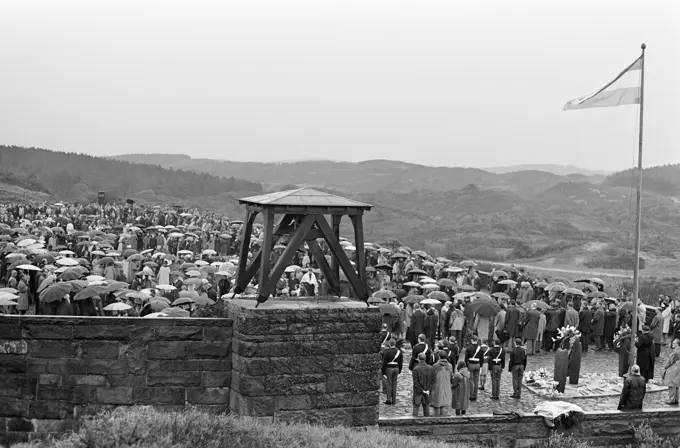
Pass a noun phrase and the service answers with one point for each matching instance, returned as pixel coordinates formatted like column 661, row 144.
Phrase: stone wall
column 306, row 361
column 599, row 428
column 56, row 369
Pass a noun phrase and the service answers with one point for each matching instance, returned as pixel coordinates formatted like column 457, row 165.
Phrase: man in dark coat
column 474, row 358
column 531, row 329
column 645, row 353
column 453, row 351
column 392, row 363
column 517, row 365
column 634, row 390
column 421, row 348
column 584, row 319
column 512, row 316
column 431, row 326
column 554, row 320
column 597, row 327
column 496, row 366
column 417, row 323
column 423, row 380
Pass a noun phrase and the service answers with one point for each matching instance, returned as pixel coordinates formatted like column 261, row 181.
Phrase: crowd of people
column 461, row 323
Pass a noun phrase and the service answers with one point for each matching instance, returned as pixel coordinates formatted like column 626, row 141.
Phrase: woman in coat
column 634, row 390
column 671, row 373
column 460, row 385
column 457, row 324
column 400, row 324
column 610, row 323
column 645, row 353
column 22, row 287
column 440, row 396
column 624, row 343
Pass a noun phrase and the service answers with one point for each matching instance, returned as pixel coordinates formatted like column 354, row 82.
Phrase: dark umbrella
column 483, row 307
column 158, row 305
column 203, row 301
column 384, row 266
column 446, row 282
column 70, row 275
column 89, row 292
column 500, row 295
column 465, row 288
column 413, row 298
column 389, row 310
column 416, row 271
column 375, row 300
column 176, row 312
column 384, row 294
column 439, row 295
column 183, row 301
column 105, row 260
column 55, row 292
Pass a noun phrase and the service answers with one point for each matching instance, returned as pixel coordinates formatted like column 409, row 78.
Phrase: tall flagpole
column 638, row 220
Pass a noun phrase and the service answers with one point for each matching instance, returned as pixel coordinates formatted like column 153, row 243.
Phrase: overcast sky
column 464, row 83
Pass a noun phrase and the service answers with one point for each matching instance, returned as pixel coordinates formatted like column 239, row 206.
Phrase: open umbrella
column 383, row 267
column 500, row 295
column 55, row 292
column 183, row 301
column 414, row 298
column 507, row 282
column 389, row 310
column 499, row 274
column 203, row 301
column 412, row 284
column 105, row 260
column 439, row 295
column 468, row 263
column 95, row 278
column 430, row 287
column 446, row 282
column 7, row 302
column 89, row 292
column 384, row 294
column 117, row 306
column 67, row 262
column 466, row 288
column 597, row 280
column 416, row 271
column 427, row 280
column 564, row 280
column 28, row 267
column 597, row 295
column 193, row 281
column 176, row 312
column 574, row 291
column 541, row 305
column 47, row 282
column 430, row 302
column 481, row 295
column 189, row 294
column 462, row 295
column 483, row 307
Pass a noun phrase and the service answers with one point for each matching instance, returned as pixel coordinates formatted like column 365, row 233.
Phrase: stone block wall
column 610, row 428
column 56, row 369
column 301, row 361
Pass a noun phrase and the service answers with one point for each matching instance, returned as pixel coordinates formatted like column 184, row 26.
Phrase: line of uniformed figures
column 437, row 384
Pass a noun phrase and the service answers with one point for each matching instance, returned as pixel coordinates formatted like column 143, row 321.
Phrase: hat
column 645, row 328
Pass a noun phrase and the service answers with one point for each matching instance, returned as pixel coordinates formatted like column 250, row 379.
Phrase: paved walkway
column 592, row 362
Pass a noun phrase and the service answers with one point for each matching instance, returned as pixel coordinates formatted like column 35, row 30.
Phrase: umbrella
column 465, row 288
column 555, row 287
column 507, row 282
column 183, row 301
column 582, row 280
column 481, row 295
column 597, row 280
column 188, row 266
column 412, row 284
column 383, row 266
column 78, row 285
column 574, row 291
column 55, row 292
column 389, row 310
column 203, row 301
column 590, row 288
column 541, row 285
column 430, row 302
column 47, row 282
column 189, row 294
column 117, row 306
column 208, row 269
column 291, row 268
column 176, row 312
column 414, row 298
column 157, row 305
column 28, row 267
column 129, row 252
column 105, row 260
column 398, row 255
column 201, row 263
column 500, row 295
column 384, row 294
column 483, row 307
column 541, row 305
column 9, row 290
column 136, row 295
column 136, row 257
column 462, row 295
column 192, row 281
column 597, row 295
column 564, row 280
column 89, row 292
column 468, row 263
column 420, row 253
column 439, row 295
column 67, row 262
column 8, row 296
column 499, row 274
column 446, row 282
column 430, row 286
column 94, row 278
column 427, row 280
column 26, row 242
column 7, row 302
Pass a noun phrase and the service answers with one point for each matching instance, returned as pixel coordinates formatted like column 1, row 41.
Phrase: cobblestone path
column 592, row 362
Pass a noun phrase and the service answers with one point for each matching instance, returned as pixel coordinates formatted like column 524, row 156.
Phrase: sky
column 435, row 82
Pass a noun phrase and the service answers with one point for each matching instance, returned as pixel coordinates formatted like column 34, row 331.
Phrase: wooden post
column 325, row 267
column 269, row 287
column 357, row 223
column 265, row 254
column 256, row 262
column 242, row 279
column 336, row 249
column 335, row 223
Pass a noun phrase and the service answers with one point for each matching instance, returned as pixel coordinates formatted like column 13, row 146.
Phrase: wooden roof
column 303, row 197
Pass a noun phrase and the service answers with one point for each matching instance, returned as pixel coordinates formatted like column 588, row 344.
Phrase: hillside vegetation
column 78, row 177
column 663, row 180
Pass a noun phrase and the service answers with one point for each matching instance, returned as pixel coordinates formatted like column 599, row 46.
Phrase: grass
column 146, row 427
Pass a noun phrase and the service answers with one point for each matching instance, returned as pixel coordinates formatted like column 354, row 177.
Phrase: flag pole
column 638, row 218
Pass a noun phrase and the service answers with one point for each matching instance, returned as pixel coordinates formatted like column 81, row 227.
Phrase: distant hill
column 664, row 180
column 362, row 177
column 78, row 177
column 561, row 170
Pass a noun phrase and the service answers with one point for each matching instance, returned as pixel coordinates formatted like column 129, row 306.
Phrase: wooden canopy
column 302, row 220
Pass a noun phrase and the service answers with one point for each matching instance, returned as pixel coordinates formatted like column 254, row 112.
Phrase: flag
column 608, row 96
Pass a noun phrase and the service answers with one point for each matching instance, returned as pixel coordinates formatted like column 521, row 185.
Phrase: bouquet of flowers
column 622, row 333
column 568, row 334
column 533, row 376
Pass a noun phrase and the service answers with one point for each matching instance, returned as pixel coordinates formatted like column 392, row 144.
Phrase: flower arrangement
column 533, row 376
column 622, row 333
column 568, row 334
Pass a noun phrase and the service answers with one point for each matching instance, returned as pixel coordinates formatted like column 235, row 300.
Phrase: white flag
column 609, row 95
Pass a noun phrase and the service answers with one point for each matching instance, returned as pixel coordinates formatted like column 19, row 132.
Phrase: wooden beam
column 335, row 223
column 257, row 259
column 320, row 258
column 242, row 278
column 334, row 245
column 357, row 223
column 268, row 287
column 265, row 255
column 307, row 210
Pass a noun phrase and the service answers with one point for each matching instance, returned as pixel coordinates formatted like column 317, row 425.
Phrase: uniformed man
column 474, row 358
column 496, row 366
column 392, row 362
column 516, row 366
column 421, row 347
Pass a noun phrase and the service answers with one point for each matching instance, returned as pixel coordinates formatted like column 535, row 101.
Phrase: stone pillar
column 298, row 361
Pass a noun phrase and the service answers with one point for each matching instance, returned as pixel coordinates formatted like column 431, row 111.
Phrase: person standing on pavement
column 496, row 366
column 656, row 329
column 571, row 318
column 423, row 378
column 585, row 316
column 554, row 321
column 421, row 348
column 530, row 333
column 474, row 357
column 597, row 327
column 645, row 353
column 671, row 373
column 485, row 363
column 392, row 363
column 460, row 385
column 417, row 323
column 634, row 390
column 441, row 390
column 517, row 365
column 512, row 316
